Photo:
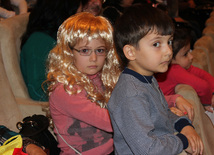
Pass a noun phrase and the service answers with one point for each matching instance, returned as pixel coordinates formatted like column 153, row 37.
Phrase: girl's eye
column 100, row 50
column 84, row 51
column 156, row 44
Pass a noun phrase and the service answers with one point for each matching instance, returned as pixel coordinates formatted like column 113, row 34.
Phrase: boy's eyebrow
column 159, row 37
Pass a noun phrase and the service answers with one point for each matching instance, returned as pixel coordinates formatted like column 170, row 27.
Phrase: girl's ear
column 129, row 52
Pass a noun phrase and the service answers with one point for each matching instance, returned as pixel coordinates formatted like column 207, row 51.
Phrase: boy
column 141, row 119
column 200, row 80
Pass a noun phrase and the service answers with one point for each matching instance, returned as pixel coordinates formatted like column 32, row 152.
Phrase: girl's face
column 93, row 63
column 153, row 54
column 184, row 57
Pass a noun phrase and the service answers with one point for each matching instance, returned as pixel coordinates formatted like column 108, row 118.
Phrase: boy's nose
column 190, row 56
column 169, row 51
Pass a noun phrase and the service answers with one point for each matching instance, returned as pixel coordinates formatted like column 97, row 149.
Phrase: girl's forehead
column 88, row 40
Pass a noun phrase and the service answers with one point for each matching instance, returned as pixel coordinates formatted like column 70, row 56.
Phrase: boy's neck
column 140, row 71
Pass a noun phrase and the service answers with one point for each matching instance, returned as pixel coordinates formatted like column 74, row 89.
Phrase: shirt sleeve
column 171, row 100
column 81, row 108
column 201, row 86
column 203, row 75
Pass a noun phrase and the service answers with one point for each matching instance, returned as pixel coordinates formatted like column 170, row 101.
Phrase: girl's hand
column 195, row 143
column 186, row 107
column 176, row 111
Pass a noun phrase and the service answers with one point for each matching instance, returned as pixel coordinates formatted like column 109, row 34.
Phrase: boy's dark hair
column 136, row 22
column 182, row 37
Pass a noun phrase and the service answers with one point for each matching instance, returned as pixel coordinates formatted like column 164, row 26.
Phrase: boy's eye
column 170, row 42
column 156, row 44
column 189, row 51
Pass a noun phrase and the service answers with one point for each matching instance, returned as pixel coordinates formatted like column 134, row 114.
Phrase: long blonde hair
column 61, row 68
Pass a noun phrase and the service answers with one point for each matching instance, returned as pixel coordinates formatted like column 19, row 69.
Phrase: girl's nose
column 93, row 56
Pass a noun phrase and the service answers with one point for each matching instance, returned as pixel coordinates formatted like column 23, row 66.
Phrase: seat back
column 206, row 43
column 11, row 30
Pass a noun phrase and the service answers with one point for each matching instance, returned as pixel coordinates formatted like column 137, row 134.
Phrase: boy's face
column 93, row 63
column 184, row 57
column 153, row 54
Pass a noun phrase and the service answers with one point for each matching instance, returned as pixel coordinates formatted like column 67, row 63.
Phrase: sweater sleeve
column 138, row 129
column 79, row 107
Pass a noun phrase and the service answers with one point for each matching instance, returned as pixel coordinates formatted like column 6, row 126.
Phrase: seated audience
column 94, row 7
column 112, row 9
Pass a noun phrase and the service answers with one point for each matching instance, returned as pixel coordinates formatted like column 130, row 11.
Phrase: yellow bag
column 8, row 147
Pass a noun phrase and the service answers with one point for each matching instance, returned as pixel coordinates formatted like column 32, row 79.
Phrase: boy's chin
column 163, row 70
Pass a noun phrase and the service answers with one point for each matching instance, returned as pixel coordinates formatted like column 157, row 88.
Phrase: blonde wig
column 61, row 68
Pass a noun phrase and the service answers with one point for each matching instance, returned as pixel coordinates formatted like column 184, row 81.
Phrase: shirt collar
column 137, row 75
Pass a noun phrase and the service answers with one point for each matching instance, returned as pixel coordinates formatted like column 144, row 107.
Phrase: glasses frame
column 90, row 51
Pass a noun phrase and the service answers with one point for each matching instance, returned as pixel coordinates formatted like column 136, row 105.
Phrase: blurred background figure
column 40, row 37
column 94, row 7
column 9, row 8
column 112, row 9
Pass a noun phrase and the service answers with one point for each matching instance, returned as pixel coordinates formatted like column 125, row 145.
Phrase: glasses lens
column 100, row 51
column 85, row 51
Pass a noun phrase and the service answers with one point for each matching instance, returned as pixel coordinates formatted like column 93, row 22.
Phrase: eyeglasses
column 87, row 52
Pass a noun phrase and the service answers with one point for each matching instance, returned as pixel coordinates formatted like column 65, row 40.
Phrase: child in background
column 83, row 69
column 181, row 71
column 141, row 119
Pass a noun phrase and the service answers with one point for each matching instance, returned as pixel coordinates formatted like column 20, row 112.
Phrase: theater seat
column 15, row 102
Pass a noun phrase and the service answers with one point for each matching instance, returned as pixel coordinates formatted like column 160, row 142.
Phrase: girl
column 82, row 71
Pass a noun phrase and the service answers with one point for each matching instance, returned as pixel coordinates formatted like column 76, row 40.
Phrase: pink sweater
column 83, row 124
column 199, row 79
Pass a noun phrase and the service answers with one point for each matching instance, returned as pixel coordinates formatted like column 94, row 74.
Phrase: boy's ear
column 129, row 52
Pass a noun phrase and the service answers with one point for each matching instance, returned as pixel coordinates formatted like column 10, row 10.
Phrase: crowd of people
column 100, row 64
